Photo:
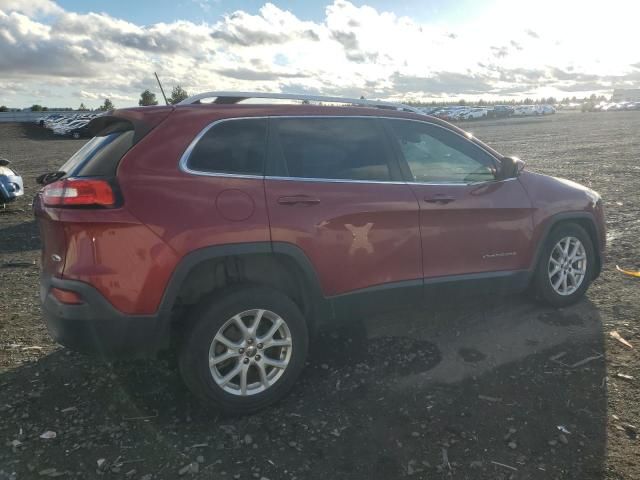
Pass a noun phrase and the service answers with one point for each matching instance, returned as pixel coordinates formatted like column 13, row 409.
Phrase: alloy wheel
column 567, row 266
column 250, row 352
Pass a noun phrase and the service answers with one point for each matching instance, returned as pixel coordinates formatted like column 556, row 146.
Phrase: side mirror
column 510, row 167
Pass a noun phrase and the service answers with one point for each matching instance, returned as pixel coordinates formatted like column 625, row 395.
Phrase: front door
column 470, row 222
column 334, row 190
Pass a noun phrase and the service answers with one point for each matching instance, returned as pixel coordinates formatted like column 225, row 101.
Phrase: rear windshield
column 100, row 155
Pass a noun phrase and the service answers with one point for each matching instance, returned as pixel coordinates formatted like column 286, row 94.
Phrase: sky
column 79, row 51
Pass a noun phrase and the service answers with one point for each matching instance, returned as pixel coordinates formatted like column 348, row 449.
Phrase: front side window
column 332, row 148
column 436, row 155
column 233, row 147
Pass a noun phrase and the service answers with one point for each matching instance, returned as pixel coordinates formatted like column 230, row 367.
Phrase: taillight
column 78, row 192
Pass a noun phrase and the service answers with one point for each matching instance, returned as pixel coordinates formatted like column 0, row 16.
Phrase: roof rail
column 225, row 98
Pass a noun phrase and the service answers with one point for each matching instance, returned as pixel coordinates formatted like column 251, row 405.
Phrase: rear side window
column 99, row 157
column 332, row 148
column 233, row 146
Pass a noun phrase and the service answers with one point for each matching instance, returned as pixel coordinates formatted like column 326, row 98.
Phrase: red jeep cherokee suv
column 236, row 230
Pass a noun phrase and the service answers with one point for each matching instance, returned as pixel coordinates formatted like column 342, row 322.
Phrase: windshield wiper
column 47, row 178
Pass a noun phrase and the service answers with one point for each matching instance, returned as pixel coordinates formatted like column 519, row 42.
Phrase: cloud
column 442, row 83
column 27, row 49
column 31, row 7
column 500, row 51
column 271, row 26
column 103, row 95
column 353, row 50
column 250, row 74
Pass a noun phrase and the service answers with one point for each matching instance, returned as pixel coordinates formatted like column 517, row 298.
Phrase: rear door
column 334, row 190
column 470, row 222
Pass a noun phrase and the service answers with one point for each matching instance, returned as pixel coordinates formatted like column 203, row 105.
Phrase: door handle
column 298, row 200
column 440, row 199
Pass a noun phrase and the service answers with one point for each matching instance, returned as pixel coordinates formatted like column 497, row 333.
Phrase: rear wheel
column 245, row 349
column 566, row 265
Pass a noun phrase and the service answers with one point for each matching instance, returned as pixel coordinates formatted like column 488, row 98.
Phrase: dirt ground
column 492, row 388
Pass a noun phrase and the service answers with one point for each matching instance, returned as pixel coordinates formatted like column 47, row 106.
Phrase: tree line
column 527, row 101
column 148, row 98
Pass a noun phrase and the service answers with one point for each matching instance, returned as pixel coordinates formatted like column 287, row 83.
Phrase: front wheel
column 566, row 265
column 245, row 349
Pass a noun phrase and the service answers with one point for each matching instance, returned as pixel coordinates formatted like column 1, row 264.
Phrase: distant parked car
column 82, row 131
column 502, row 111
column 547, row 109
column 42, row 121
column 474, row 114
column 65, row 128
column 525, row 111
column 11, row 186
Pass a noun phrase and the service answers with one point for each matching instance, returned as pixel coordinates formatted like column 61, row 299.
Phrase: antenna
column 161, row 89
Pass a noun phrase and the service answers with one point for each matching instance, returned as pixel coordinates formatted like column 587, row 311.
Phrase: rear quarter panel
column 182, row 208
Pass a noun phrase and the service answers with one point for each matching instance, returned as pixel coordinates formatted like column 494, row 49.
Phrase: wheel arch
column 282, row 266
column 585, row 220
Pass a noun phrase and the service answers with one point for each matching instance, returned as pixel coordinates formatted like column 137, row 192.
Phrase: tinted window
column 234, row 146
column 100, row 155
column 333, row 148
column 435, row 154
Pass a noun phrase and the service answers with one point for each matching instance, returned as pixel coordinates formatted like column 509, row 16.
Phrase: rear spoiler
column 140, row 120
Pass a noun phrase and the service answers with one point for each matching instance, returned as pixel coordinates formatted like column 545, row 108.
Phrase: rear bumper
column 95, row 326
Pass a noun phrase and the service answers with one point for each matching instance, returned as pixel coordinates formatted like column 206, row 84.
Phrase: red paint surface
column 358, row 235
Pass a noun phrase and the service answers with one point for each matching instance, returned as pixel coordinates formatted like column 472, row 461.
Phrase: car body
column 75, row 125
column 175, row 217
column 60, row 122
column 474, row 114
column 80, row 131
column 525, row 111
column 547, row 109
column 502, row 111
column 11, row 185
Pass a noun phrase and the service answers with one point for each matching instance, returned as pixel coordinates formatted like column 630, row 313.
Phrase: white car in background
column 64, row 129
column 525, row 111
column 474, row 114
column 548, row 109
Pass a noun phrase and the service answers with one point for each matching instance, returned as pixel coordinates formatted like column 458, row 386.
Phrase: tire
column 76, row 135
column 543, row 283
column 216, row 316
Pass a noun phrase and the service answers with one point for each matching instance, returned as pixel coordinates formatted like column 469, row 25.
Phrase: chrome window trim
column 187, row 153
column 185, row 156
column 333, row 180
column 470, row 184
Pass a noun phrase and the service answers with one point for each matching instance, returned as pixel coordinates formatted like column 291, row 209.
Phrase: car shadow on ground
column 19, row 238
column 32, row 131
column 469, row 388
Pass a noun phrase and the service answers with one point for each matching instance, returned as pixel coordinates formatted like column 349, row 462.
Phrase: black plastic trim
column 319, row 307
column 377, row 299
column 419, row 292
column 96, row 326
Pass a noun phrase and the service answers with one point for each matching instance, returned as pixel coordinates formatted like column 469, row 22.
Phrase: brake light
column 78, row 192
